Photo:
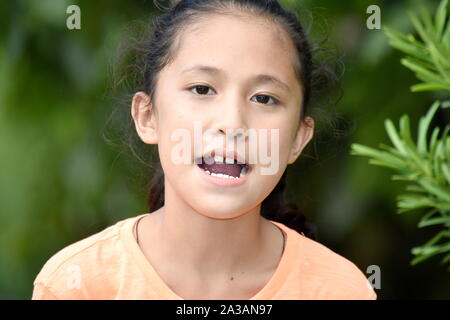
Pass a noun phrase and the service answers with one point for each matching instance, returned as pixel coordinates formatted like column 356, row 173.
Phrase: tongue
column 233, row 170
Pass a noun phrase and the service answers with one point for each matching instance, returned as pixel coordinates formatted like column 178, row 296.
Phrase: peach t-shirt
column 111, row 265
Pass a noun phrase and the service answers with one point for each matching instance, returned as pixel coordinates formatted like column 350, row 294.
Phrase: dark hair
column 159, row 43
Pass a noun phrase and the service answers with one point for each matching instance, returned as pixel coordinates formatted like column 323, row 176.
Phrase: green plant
column 430, row 57
column 424, row 164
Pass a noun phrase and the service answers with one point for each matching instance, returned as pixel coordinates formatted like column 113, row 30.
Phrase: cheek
column 287, row 136
column 275, row 142
column 286, row 139
column 175, row 141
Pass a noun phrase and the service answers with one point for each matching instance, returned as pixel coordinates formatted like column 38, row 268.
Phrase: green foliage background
column 424, row 164
column 60, row 181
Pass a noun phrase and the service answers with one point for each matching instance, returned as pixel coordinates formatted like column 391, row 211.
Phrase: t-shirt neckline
column 279, row 277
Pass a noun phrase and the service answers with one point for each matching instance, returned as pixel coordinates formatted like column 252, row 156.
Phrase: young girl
column 217, row 227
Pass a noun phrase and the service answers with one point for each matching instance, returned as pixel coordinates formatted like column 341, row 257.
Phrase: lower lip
column 223, row 182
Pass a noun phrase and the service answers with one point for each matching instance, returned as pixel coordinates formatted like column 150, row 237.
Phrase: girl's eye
column 263, row 99
column 201, row 90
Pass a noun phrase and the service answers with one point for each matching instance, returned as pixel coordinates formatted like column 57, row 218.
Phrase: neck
column 209, row 246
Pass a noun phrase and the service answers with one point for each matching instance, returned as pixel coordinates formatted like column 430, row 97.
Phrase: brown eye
column 262, row 98
column 201, row 90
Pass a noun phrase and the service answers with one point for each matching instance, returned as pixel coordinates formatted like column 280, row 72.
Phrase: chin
column 228, row 212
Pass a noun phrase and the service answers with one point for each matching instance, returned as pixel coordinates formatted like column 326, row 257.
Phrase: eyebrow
column 260, row 78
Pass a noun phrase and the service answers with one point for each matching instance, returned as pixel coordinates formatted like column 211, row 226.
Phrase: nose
column 231, row 117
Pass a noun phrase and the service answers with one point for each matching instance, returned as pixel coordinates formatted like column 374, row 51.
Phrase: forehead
column 237, row 45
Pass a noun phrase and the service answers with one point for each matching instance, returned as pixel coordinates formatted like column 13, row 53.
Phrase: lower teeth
column 220, row 175
column 244, row 170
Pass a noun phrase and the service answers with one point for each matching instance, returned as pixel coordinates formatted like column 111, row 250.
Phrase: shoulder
column 328, row 273
column 79, row 263
column 341, row 277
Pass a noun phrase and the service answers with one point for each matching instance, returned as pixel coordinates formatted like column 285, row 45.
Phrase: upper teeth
column 219, row 159
column 229, row 160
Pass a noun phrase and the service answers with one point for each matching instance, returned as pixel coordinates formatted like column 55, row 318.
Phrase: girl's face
column 212, row 85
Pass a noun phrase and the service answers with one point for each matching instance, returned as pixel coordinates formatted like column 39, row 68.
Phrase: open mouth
column 221, row 167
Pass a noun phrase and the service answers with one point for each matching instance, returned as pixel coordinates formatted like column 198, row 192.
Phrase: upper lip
column 233, row 154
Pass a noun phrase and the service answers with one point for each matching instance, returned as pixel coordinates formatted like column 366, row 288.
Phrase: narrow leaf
column 423, row 128
column 441, row 16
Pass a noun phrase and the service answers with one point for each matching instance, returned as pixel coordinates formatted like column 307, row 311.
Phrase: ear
column 144, row 117
column 304, row 134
